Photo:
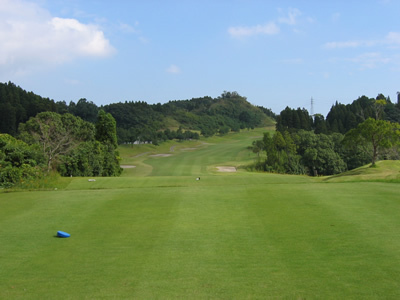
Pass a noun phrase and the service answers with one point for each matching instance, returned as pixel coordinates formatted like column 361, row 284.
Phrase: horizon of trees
column 351, row 136
column 139, row 121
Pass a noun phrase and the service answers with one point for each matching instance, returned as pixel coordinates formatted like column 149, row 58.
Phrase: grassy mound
column 388, row 170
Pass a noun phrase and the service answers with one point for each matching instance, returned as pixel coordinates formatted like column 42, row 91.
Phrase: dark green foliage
column 318, row 153
column 321, row 154
column 268, row 112
column 139, row 121
column 374, row 136
column 18, row 105
column 106, row 129
column 342, row 118
column 224, row 130
column 19, row 162
column 281, row 154
column 292, row 120
column 55, row 134
column 90, row 159
column 84, row 109
column 320, row 124
column 301, row 152
column 72, row 145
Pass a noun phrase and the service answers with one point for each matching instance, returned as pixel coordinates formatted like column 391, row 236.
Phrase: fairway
column 158, row 233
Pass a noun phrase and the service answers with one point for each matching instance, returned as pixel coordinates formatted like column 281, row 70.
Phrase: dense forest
column 139, row 121
column 351, row 136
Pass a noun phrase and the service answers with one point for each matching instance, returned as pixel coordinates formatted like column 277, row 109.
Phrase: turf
column 227, row 236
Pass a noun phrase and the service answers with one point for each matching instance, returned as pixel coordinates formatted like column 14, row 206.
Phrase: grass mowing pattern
column 227, row 236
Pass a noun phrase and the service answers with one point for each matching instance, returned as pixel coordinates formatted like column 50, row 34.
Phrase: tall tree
column 374, row 136
column 56, row 134
column 106, row 129
column 86, row 110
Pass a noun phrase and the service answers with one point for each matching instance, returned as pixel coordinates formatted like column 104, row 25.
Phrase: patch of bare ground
column 127, row 166
column 160, row 155
column 226, row 169
column 141, row 154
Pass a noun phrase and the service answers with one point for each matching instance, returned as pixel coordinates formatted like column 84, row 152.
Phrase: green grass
column 388, row 171
column 161, row 234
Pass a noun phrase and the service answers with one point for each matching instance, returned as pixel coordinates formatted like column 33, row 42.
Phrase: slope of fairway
column 190, row 158
column 166, row 235
column 388, row 170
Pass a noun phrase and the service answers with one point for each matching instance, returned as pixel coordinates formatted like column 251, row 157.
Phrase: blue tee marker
column 63, row 234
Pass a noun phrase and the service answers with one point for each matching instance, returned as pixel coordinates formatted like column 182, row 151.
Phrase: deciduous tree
column 374, row 136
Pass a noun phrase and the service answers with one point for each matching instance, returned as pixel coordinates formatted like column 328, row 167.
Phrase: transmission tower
column 312, row 106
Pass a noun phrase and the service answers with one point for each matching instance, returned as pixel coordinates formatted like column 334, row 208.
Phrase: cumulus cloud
column 30, row 36
column 243, row 31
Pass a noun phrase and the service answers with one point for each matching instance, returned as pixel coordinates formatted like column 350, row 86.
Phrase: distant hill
column 139, row 120
column 209, row 116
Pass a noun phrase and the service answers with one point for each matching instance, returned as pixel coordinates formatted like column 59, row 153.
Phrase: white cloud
column 242, row 31
column 173, row 69
column 31, row 37
column 270, row 28
column 371, row 60
column 291, row 18
column 392, row 39
column 127, row 28
column 348, row 44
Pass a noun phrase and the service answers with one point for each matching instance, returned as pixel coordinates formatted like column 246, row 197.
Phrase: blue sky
column 276, row 53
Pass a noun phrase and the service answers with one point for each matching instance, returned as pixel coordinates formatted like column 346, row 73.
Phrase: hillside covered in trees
column 139, row 121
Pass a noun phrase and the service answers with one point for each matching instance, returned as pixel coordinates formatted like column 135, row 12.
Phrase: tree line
column 65, row 143
column 341, row 118
column 351, row 136
column 139, row 121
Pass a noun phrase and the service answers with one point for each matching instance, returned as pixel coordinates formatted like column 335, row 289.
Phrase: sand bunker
column 160, row 155
column 226, row 169
column 127, row 166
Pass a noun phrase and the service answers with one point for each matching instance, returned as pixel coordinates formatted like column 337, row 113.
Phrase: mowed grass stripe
column 329, row 237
